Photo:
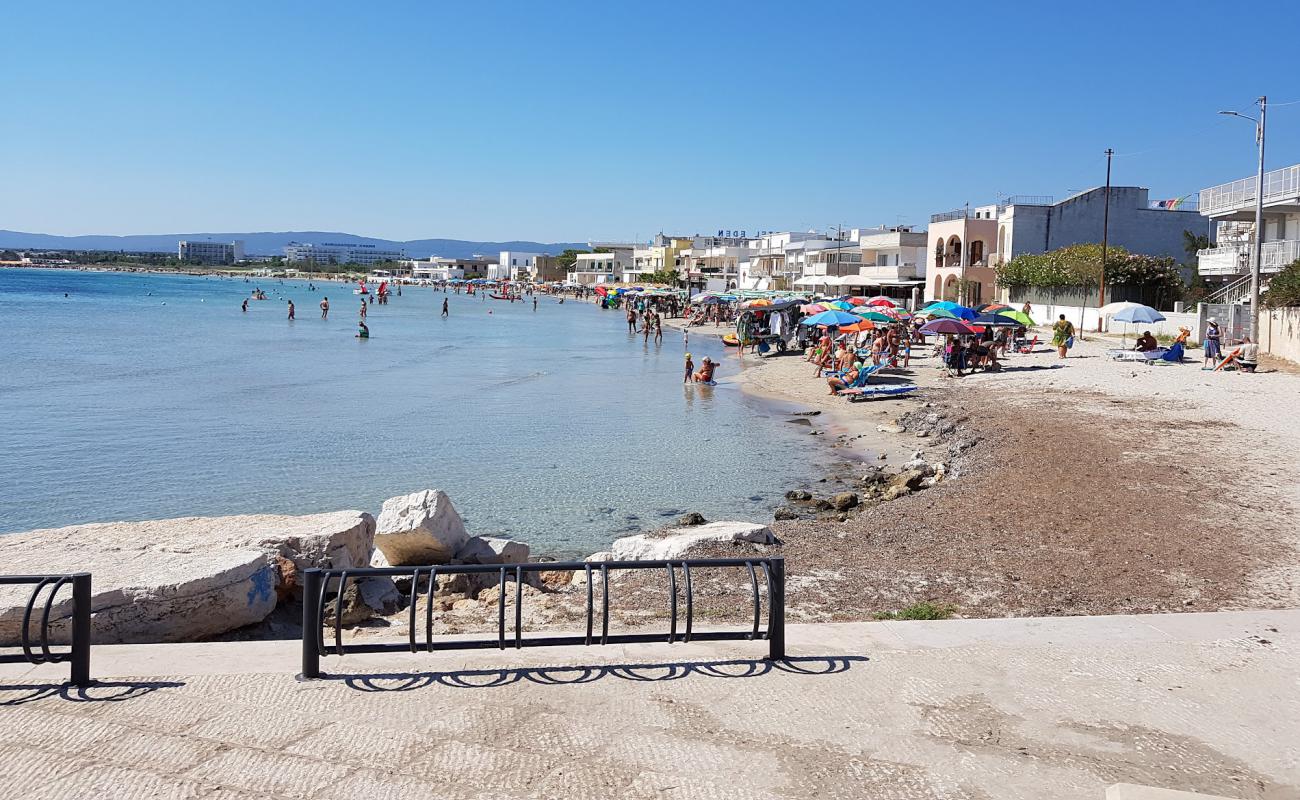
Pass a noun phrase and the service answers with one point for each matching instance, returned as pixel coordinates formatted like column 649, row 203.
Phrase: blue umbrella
column 956, row 309
column 1144, row 314
column 832, row 317
column 996, row 320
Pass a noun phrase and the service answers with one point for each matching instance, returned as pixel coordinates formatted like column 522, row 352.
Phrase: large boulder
column 420, row 528
column 492, row 550
column 678, row 542
column 180, row 579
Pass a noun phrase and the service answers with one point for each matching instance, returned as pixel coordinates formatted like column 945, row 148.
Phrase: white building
column 1231, row 207
column 437, row 268
column 516, row 264
column 207, row 252
column 363, row 254
column 590, row 269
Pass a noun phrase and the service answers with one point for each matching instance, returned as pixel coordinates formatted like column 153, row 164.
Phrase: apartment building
column 208, row 252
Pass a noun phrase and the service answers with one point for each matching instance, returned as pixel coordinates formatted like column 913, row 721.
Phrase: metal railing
column 78, row 654
column 317, row 585
column 1234, row 259
column 1279, row 184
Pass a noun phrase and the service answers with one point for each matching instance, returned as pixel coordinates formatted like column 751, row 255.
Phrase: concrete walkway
column 1053, row 708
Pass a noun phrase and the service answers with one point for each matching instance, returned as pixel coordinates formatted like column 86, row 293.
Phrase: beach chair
column 1028, row 347
column 876, row 392
column 1171, row 355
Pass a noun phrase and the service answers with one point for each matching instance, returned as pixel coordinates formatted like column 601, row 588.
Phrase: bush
column 925, row 610
column 1284, row 287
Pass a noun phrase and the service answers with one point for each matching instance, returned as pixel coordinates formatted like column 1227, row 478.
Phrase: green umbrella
column 869, row 312
column 934, row 311
column 1018, row 316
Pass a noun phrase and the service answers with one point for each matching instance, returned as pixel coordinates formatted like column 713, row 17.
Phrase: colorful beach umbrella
column 955, row 309
column 1019, row 316
column 832, row 317
column 812, row 308
column 947, row 326
column 861, row 325
column 873, row 315
column 856, row 301
column 882, row 301
column 839, row 305
column 990, row 308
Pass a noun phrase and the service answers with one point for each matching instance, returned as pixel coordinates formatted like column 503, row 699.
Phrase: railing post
column 81, row 632
column 776, row 612
column 312, row 579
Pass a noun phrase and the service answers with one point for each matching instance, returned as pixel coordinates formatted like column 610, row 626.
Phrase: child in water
column 690, row 369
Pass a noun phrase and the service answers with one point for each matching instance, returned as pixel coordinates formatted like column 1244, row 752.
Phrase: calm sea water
column 146, row 396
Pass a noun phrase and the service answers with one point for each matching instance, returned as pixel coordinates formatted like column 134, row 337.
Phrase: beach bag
column 1069, row 343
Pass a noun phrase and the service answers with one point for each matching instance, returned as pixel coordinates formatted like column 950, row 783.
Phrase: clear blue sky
column 566, row 121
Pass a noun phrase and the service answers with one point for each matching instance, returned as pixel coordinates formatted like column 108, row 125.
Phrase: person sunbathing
column 838, row 384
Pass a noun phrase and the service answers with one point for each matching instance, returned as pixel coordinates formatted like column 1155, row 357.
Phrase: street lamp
column 1258, row 245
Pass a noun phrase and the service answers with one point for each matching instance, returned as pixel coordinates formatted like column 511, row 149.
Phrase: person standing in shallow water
column 290, row 309
column 244, row 307
column 631, row 319
column 690, row 369
column 325, row 308
column 363, row 309
column 445, row 310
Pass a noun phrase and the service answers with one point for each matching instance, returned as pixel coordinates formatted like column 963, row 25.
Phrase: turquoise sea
column 145, row 396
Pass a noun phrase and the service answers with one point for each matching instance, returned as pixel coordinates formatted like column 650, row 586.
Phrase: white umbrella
column 1114, row 308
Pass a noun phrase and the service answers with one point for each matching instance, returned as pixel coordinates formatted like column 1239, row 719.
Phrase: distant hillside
column 272, row 243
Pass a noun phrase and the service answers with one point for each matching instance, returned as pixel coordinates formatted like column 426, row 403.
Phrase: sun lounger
column 1137, row 355
column 1027, row 348
column 875, row 392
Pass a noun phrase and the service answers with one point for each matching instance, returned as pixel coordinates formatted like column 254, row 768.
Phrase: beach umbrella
column 882, row 301
column 1019, row 316
column 955, row 309
column 830, row 318
column 873, row 315
column 936, row 313
column 812, row 308
column 1138, row 313
column 760, row 303
column 947, row 326
column 894, row 313
column 990, row 308
column 860, row 325
column 856, row 301
column 839, row 305
column 996, row 320
column 1111, row 309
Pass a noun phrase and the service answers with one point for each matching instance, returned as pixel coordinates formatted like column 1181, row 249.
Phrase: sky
column 614, row 121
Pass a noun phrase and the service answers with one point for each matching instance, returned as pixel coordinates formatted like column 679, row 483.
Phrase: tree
column 568, row 258
column 1284, row 287
column 1192, row 243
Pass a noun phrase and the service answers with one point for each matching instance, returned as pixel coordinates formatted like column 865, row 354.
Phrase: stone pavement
column 1051, row 708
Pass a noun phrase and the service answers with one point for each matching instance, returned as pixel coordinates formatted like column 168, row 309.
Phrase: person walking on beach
column 363, row 309
column 445, row 310
column 1062, row 336
column 1213, row 344
column 290, row 309
column 325, row 308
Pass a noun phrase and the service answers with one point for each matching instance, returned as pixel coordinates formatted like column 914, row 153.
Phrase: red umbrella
column 881, row 300
column 857, row 301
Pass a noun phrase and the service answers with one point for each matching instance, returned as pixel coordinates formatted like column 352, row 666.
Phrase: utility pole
column 964, row 256
column 1105, row 235
column 1259, row 225
column 1257, row 253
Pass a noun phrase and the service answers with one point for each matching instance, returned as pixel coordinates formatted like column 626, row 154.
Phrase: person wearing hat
column 690, row 369
column 1213, row 344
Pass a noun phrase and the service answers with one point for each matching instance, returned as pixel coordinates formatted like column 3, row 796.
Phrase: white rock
column 492, row 550
column 677, row 542
column 180, row 579
column 420, row 528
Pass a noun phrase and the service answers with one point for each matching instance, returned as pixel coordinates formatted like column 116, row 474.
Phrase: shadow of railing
column 564, row 676
column 95, row 692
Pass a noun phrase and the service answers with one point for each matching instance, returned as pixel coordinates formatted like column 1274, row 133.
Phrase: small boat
column 500, row 297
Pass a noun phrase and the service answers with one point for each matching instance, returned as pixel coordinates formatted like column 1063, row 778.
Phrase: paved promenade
column 1058, row 708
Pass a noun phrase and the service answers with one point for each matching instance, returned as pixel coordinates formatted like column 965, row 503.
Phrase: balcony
column 1234, row 259
column 1281, row 188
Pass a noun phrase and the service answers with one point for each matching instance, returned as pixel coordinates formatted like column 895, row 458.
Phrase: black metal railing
column 317, row 585
column 79, row 652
